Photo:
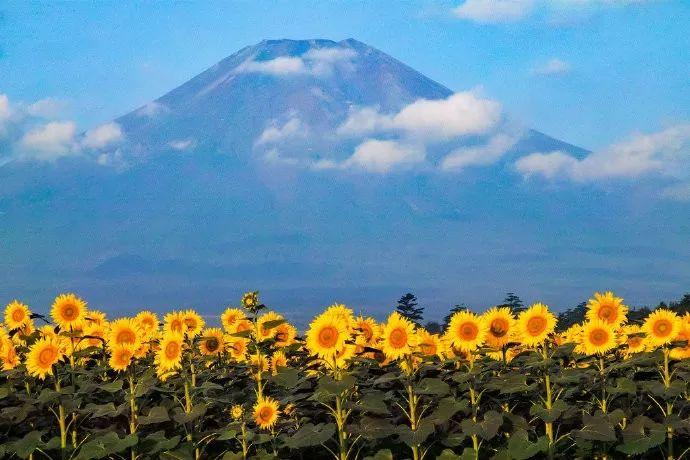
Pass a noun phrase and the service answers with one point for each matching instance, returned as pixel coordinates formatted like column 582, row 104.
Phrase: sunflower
column 243, row 325
column 286, row 334
column 661, row 327
column 341, row 313
column 632, row 337
column 263, row 332
column 398, row 337
column 8, row 357
column 682, row 352
column 96, row 317
column 326, row 336
column 238, row 348
column 121, row 357
column 47, row 331
column 193, row 322
column 68, row 310
column 466, row 331
column 93, row 335
column 266, row 412
column 236, row 412
column 41, row 357
column 598, row 337
column 501, row 325
column 343, row 357
column 430, row 344
column 535, row 324
column 174, row 322
column 17, row 315
column 250, row 300
column 368, row 332
column 260, row 363
column 124, row 331
column 607, row 307
column 147, row 322
column 278, row 360
column 212, row 342
column 230, row 317
column 169, row 356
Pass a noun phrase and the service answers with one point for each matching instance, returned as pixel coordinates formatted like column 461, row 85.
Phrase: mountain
column 313, row 171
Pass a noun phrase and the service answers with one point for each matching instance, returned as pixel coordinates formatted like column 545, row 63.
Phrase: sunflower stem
column 132, row 409
column 548, row 402
column 669, row 405
column 61, row 417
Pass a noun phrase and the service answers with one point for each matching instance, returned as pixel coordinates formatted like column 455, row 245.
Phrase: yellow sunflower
column 535, row 324
column 124, row 331
column 341, row 313
column 147, row 322
column 632, row 338
column 326, row 336
column 260, row 363
column 243, row 325
column 501, row 325
column 466, row 331
column 398, row 338
column 682, row 352
column 194, row 323
column 237, row 348
column 230, row 317
column 607, row 307
column 250, row 300
column 343, row 357
column 169, row 356
column 174, row 322
column 430, row 344
column 17, row 315
column 9, row 358
column 121, row 357
column 68, row 310
column 368, row 332
column 266, row 412
column 263, row 332
column 42, row 355
column 285, row 335
column 96, row 317
column 236, row 412
column 212, row 342
column 278, row 360
column 598, row 337
column 661, row 327
column 93, row 335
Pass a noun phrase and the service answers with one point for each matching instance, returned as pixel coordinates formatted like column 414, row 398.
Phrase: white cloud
column 272, row 134
column 460, row 114
column 678, row 192
column 49, row 141
column 665, row 152
column 486, row 154
column 554, row 66
column 152, row 109
column 316, row 61
column 49, row 107
column 383, row 156
column 494, row 11
column 182, row 144
column 5, row 109
column 102, row 136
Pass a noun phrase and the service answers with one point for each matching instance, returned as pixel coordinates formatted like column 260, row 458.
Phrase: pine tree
column 407, row 307
column 514, row 303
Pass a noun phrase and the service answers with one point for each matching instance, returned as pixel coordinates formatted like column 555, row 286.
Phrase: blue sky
column 590, row 72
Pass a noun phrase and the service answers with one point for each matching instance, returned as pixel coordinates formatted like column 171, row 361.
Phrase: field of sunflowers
column 76, row 385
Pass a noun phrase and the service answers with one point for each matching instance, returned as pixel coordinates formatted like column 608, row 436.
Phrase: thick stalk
column 61, row 418
column 474, row 403
column 245, row 447
column 669, row 406
column 548, row 402
column 340, row 423
column 132, row 410
column 602, row 376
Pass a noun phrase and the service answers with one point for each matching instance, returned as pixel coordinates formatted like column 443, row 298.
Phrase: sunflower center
column 428, row 348
column 328, row 336
column 598, row 337
column 607, row 312
column 536, row 325
column 126, row 336
column 212, row 344
column 47, row 356
column 499, row 327
column 468, row 331
column 176, row 325
column 366, row 331
column 266, row 413
column 172, row 349
column 398, row 338
column 634, row 342
column 662, row 328
column 18, row 315
column 69, row 312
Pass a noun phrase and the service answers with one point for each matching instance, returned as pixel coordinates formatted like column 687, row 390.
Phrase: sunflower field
column 75, row 385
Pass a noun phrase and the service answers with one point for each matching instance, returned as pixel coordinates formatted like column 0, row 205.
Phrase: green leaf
column 549, row 415
column 641, row 435
column 311, row 435
column 448, row 454
column 521, row 448
column 25, row 446
column 273, row 324
column 157, row 442
column 383, row 454
column 447, row 407
column 288, row 377
column 104, row 446
column 197, row 411
column 596, row 428
column 157, row 414
column 430, row 386
column 111, row 387
column 374, row 403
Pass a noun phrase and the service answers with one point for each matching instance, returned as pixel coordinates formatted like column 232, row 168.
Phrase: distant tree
column 408, row 307
column 638, row 314
column 514, row 302
column 456, row 308
column 572, row 316
column 433, row 327
column 682, row 306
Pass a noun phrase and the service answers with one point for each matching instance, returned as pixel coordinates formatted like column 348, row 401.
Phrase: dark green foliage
column 408, row 307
